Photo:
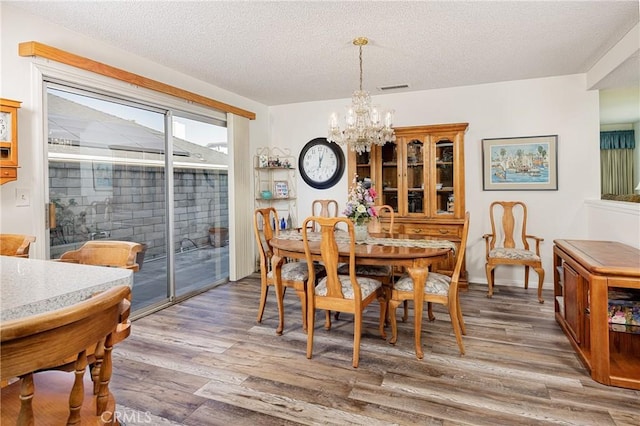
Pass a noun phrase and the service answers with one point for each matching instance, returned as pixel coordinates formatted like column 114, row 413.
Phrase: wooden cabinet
column 8, row 140
column 587, row 276
column 421, row 175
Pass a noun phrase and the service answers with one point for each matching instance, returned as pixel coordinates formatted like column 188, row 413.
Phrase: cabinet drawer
column 433, row 230
column 8, row 172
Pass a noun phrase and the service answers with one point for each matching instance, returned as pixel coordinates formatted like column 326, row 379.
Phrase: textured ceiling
column 296, row 51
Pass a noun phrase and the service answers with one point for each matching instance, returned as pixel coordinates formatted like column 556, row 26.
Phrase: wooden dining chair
column 323, row 208
column 117, row 254
column 16, row 245
column 439, row 288
column 39, row 342
column 505, row 247
column 383, row 273
column 343, row 293
column 293, row 274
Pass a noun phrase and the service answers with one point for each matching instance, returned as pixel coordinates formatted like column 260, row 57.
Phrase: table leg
column 276, row 267
column 419, row 276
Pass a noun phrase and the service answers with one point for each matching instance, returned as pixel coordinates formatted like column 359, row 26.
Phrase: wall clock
column 321, row 163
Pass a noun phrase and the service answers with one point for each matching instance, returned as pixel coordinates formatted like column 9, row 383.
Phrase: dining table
column 414, row 252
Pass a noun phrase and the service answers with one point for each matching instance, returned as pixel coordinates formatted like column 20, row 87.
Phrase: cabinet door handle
column 443, row 231
column 417, row 231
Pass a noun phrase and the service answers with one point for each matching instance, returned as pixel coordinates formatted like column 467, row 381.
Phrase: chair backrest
column 330, row 254
column 264, row 221
column 460, row 252
column 42, row 341
column 323, row 208
column 508, row 222
column 118, row 254
column 15, row 244
column 375, row 226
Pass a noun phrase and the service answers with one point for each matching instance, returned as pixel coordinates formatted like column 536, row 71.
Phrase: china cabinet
column 421, row 175
column 8, row 140
column 594, row 280
column 274, row 183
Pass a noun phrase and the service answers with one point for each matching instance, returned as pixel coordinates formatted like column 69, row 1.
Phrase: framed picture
column 102, row 176
column 527, row 163
column 263, row 161
column 281, row 189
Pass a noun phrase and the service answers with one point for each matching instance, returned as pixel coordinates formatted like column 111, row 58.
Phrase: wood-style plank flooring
column 207, row 362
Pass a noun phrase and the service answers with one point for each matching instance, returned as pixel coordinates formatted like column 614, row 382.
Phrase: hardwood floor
column 207, row 362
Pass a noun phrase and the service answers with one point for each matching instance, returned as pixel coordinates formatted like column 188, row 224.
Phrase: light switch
column 23, row 197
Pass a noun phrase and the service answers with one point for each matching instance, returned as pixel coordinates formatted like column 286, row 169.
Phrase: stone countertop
column 30, row 286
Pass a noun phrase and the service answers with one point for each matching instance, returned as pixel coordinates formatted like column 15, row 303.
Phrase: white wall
column 557, row 105
column 17, row 82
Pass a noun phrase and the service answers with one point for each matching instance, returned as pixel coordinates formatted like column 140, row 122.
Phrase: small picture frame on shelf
column 263, row 161
column 281, row 189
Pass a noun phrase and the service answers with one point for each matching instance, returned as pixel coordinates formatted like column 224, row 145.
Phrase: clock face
column 5, row 126
column 321, row 163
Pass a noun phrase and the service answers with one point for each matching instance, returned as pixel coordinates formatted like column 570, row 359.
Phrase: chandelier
column 364, row 125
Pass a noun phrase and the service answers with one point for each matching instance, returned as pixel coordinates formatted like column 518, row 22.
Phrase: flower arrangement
column 360, row 203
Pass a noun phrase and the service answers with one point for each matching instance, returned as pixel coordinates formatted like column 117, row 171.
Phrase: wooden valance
column 33, row 48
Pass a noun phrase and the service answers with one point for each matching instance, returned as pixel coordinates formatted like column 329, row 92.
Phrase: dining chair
column 16, row 245
column 504, row 247
column 438, row 288
column 117, row 254
column 35, row 343
column 335, row 292
column 323, row 208
column 293, row 274
column 383, row 273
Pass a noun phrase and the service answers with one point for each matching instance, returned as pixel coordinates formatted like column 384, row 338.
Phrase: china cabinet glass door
column 443, row 181
column 389, row 175
column 414, row 159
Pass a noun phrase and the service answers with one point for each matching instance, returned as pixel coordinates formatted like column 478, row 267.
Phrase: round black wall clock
column 321, row 163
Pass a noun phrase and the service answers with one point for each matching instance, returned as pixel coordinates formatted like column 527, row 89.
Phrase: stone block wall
column 129, row 203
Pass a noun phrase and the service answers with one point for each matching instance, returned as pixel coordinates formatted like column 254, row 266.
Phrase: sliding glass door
column 108, row 160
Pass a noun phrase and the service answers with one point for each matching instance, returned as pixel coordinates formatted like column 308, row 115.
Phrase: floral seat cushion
column 369, row 270
column 436, row 284
column 513, row 253
column 367, row 286
column 296, row 271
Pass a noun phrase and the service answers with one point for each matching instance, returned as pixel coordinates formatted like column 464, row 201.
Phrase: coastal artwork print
column 524, row 163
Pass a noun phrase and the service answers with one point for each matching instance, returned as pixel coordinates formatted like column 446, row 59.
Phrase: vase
column 361, row 232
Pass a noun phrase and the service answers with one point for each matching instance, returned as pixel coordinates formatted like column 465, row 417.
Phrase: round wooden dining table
column 417, row 260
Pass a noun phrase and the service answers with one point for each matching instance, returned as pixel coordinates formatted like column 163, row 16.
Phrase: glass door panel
column 201, row 208
column 106, row 180
column 389, row 155
column 445, row 196
column 363, row 166
column 415, row 176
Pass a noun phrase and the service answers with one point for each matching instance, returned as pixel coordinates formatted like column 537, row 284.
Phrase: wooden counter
column 584, row 274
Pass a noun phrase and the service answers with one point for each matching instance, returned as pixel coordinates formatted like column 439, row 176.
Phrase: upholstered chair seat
column 436, row 284
column 367, row 286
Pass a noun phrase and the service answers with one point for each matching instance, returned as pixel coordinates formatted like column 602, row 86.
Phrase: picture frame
column 281, row 189
column 102, row 176
column 528, row 163
column 263, row 161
